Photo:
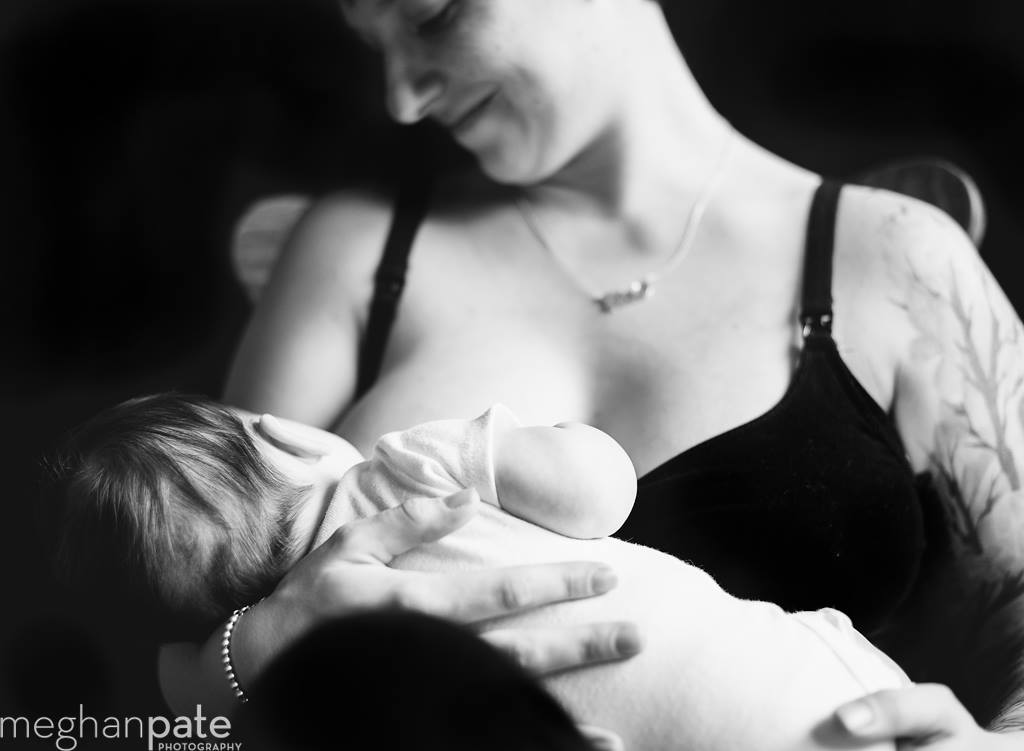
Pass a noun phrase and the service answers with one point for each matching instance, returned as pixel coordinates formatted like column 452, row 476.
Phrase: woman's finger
column 601, row 739
column 545, row 651
column 382, row 537
column 924, row 712
column 487, row 593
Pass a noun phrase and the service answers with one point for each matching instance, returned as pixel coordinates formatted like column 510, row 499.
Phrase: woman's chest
column 658, row 375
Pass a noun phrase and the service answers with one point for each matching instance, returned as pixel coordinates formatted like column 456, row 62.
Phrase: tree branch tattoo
column 970, row 342
column 976, row 345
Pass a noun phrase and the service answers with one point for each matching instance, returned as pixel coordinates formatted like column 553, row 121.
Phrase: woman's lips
column 472, row 116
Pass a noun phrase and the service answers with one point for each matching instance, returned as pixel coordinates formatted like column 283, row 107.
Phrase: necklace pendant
column 637, row 291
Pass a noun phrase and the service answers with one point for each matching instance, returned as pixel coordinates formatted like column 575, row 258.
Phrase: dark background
column 133, row 134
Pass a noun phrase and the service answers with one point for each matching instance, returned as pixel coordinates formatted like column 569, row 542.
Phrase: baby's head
column 187, row 506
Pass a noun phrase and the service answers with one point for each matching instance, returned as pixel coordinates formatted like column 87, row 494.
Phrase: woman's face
column 524, row 85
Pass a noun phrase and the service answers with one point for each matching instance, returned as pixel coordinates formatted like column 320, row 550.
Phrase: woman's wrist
column 265, row 630
column 225, row 653
column 193, row 674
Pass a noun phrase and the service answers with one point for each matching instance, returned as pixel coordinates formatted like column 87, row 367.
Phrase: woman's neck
column 661, row 143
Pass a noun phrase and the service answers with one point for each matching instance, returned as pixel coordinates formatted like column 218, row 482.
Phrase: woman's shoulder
column 351, row 217
column 327, row 256
column 893, row 254
column 885, row 243
column 360, row 216
column 341, row 236
column 890, row 237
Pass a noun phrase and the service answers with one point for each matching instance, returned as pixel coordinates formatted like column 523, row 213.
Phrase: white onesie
column 716, row 674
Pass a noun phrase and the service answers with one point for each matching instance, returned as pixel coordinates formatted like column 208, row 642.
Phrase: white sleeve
column 434, row 459
column 440, row 458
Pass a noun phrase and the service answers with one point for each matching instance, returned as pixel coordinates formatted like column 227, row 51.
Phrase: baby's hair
column 166, row 499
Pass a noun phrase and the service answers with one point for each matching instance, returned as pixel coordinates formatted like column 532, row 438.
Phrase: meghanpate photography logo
column 182, row 733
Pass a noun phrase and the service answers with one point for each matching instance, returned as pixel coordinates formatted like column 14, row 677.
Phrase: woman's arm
column 349, row 573
column 959, row 406
column 297, row 358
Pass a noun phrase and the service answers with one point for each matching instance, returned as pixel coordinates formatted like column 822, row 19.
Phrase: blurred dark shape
column 139, row 132
column 953, row 630
column 395, row 680
column 937, row 182
column 57, row 667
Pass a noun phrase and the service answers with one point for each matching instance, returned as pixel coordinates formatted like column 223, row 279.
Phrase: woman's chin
column 510, row 169
column 503, row 170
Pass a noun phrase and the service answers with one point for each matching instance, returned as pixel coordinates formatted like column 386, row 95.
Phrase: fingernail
column 460, row 499
column 604, row 579
column 856, row 716
column 628, row 641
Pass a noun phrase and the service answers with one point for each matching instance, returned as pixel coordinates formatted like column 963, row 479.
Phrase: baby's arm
column 571, row 478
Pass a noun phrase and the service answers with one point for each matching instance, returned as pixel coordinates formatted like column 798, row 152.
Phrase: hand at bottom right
column 924, row 716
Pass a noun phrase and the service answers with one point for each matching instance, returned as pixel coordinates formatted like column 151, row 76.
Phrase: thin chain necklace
column 642, row 288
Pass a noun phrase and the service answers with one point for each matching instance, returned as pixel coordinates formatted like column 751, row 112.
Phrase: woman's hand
column 350, row 572
column 925, row 716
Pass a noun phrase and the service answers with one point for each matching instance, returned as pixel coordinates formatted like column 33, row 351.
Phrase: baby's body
column 217, row 503
column 716, row 673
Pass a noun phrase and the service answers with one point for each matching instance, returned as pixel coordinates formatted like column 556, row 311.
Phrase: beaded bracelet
column 225, row 654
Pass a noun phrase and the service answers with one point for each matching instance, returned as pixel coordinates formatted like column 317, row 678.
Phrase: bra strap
column 816, row 306
column 389, row 281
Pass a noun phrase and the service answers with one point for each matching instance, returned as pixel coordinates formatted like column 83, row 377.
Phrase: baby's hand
column 570, row 478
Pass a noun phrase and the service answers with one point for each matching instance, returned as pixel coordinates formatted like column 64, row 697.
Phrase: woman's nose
column 412, row 90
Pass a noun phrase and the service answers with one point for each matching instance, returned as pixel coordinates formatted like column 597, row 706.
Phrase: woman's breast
column 459, row 374
column 810, row 505
column 653, row 384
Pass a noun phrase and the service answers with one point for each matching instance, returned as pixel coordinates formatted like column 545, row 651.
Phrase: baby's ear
column 295, row 438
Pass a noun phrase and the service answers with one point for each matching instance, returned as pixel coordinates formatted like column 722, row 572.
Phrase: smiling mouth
column 471, row 116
